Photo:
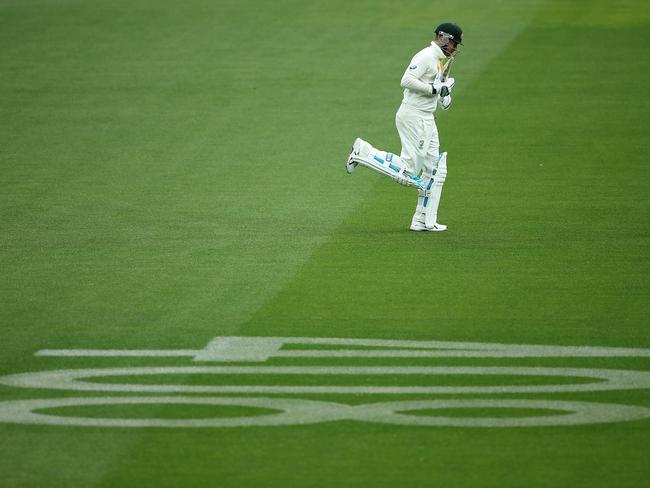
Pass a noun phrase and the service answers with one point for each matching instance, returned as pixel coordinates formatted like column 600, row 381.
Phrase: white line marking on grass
column 577, row 413
column 72, row 379
column 299, row 411
column 260, row 349
column 292, row 412
column 111, row 353
column 295, row 411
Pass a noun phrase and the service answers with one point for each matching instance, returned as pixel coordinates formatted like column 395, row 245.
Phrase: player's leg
column 418, row 219
column 415, row 133
column 411, row 134
column 433, row 192
column 420, row 142
column 383, row 162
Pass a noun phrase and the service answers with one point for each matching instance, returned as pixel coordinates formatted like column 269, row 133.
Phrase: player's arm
column 412, row 81
column 416, row 85
column 413, row 74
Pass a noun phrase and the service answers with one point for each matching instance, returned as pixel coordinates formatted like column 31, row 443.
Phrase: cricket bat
column 446, row 68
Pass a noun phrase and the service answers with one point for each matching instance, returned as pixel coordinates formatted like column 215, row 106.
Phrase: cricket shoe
column 350, row 165
column 418, row 226
column 359, row 148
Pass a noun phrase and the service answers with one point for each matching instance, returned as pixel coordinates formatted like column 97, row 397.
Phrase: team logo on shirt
column 413, row 67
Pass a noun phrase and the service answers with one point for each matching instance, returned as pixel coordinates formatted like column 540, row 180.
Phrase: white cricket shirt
column 418, row 77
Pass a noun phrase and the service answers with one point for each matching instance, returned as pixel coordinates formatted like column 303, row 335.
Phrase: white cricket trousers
column 419, row 136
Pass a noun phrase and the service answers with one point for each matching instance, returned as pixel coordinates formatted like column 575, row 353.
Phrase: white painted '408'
column 290, row 411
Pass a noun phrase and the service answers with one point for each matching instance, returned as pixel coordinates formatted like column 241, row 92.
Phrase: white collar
column 437, row 50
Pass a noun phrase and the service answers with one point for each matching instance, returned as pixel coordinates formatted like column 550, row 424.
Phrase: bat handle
column 446, row 69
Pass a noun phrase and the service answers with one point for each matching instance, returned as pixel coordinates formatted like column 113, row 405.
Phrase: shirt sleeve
column 411, row 79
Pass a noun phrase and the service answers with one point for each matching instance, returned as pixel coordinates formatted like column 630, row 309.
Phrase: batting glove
column 442, row 88
column 445, row 102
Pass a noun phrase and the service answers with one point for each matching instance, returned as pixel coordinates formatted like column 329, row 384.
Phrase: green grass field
column 174, row 171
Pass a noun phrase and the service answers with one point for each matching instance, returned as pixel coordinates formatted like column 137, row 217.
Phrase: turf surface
column 173, row 171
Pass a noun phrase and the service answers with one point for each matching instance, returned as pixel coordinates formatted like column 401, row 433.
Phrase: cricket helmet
column 449, row 31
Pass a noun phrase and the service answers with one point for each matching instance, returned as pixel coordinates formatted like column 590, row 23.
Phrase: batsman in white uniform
column 419, row 165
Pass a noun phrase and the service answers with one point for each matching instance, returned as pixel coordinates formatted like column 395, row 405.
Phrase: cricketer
column 419, row 165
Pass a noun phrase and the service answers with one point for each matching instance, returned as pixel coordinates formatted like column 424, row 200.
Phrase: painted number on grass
column 434, row 411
